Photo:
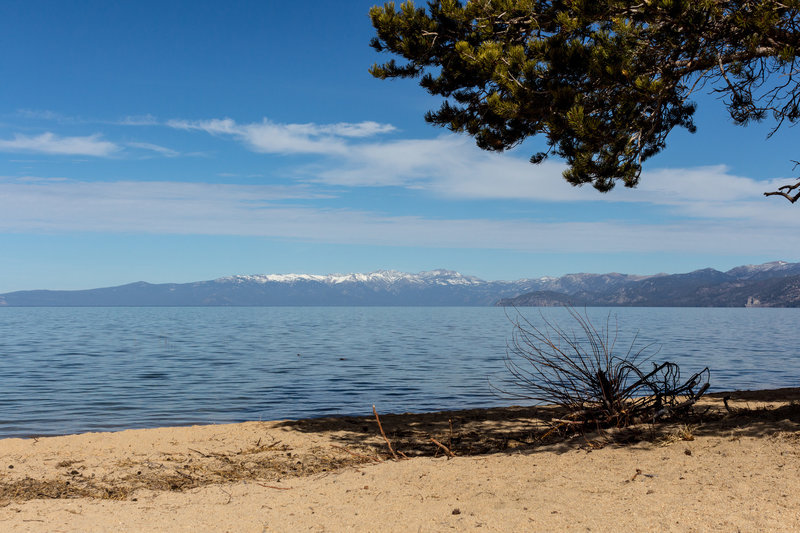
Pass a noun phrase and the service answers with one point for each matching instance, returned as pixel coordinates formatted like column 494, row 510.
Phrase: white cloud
column 249, row 210
column 346, row 129
column 50, row 143
column 271, row 137
column 213, row 126
column 139, row 120
column 453, row 167
column 167, row 152
column 449, row 165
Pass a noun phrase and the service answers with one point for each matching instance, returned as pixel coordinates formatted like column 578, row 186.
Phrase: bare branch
column 785, row 192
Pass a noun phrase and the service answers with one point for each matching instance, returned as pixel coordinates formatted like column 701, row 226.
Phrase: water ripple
column 91, row 369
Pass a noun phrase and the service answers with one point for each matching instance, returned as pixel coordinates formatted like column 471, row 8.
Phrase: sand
column 723, row 471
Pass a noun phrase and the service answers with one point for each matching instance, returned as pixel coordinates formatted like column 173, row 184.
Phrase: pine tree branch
column 785, row 192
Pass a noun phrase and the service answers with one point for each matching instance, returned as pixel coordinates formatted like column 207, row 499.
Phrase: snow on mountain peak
column 439, row 277
column 748, row 270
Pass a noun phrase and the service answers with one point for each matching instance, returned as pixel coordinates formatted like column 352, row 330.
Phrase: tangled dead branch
column 582, row 373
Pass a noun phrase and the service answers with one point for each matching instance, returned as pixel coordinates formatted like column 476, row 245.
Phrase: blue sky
column 183, row 141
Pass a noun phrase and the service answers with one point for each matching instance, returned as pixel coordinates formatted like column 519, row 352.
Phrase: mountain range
column 775, row 284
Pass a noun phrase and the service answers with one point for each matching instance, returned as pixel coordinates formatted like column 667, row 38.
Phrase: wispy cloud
column 451, row 166
column 166, row 152
column 139, row 120
column 50, row 143
column 43, row 114
column 271, row 137
column 293, row 212
column 345, row 129
column 54, row 116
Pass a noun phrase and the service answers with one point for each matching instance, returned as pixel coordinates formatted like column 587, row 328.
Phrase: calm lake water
column 68, row 370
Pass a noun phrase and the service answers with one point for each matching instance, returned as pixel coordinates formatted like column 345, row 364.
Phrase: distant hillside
column 382, row 288
column 774, row 284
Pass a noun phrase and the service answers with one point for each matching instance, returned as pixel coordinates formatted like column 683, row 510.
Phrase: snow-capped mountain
column 383, row 287
column 769, row 284
column 765, row 271
column 380, row 277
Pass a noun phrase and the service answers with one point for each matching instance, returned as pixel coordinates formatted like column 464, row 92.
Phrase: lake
column 69, row 370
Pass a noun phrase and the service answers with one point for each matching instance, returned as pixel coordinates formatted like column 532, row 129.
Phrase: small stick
column 450, row 420
column 442, row 446
column 273, row 487
column 196, row 451
column 552, row 429
column 389, row 444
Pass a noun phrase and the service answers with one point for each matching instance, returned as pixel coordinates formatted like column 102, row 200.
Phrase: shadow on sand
column 529, row 429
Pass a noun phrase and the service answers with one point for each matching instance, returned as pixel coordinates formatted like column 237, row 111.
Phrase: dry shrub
column 582, row 373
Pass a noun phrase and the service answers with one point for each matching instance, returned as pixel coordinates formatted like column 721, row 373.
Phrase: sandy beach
column 735, row 469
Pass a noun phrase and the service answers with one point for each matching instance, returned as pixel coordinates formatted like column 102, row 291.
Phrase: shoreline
column 779, row 394
column 729, row 470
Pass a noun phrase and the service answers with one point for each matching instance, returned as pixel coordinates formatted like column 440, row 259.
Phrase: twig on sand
column 554, row 428
column 442, row 446
column 199, row 452
column 273, row 487
column 389, row 444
